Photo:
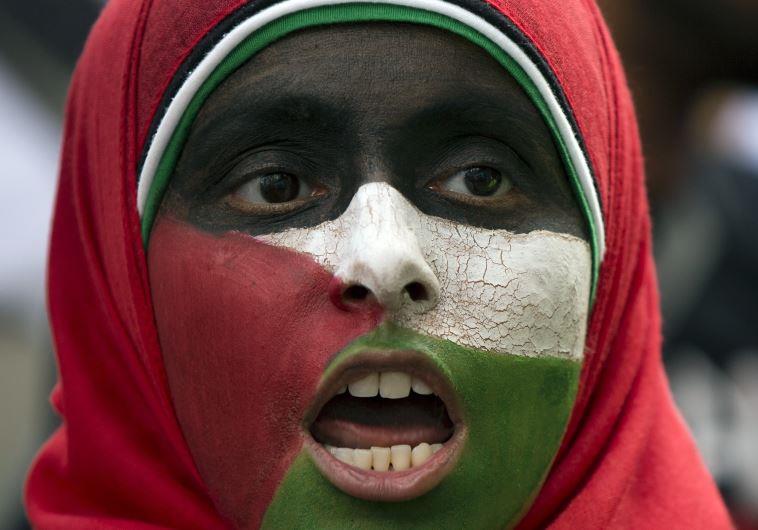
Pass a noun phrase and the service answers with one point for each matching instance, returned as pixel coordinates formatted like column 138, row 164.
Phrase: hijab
column 119, row 459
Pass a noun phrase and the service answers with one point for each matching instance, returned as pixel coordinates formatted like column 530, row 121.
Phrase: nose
column 384, row 261
column 394, row 281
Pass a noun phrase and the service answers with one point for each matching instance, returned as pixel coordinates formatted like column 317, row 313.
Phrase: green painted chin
column 516, row 410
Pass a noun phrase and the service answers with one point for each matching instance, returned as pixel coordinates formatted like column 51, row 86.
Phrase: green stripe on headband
column 347, row 13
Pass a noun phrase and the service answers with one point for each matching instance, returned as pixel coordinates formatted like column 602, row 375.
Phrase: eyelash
column 252, row 167
column 304, row 192
column 464, row 191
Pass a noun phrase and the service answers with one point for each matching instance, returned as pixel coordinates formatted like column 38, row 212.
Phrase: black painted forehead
column 378, row 68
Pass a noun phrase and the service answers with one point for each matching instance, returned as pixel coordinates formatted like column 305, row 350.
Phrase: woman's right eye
column 273, row 188
column 276, row 191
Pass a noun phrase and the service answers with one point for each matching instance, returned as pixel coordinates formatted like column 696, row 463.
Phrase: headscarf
column 119, row 459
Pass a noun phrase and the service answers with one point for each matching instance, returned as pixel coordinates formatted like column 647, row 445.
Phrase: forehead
column 379, row 66
column 380, row 101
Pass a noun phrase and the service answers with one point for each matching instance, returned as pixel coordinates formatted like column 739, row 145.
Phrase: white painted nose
column 383, row 259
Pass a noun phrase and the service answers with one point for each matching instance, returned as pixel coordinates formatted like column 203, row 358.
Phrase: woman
column 324, row 265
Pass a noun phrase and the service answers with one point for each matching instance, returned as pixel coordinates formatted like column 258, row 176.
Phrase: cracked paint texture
column 490, row 289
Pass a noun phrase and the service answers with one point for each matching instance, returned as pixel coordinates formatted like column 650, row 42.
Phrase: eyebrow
column 278, row 115
column 478, row 111
column 253, row 121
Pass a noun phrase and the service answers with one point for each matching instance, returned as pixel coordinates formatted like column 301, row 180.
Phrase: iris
column 279, row 187
column 482, row 181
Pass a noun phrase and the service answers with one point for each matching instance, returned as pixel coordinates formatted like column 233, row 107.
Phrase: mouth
column 385, row 426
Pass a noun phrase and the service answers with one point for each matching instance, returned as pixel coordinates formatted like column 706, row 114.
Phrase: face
column 371, row 285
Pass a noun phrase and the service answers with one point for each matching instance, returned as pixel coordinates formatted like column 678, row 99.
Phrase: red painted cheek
column 246, row 331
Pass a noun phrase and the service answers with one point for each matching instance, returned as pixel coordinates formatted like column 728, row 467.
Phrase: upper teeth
column 390, row 385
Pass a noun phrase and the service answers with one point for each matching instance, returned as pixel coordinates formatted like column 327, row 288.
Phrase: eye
column 479, row 181
column 272, row 188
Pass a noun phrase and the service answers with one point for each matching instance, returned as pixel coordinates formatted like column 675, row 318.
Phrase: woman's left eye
column 478, row 181
column 273, row 188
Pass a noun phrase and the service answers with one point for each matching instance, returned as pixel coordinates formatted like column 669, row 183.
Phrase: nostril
column 355, row 293
column 417, row 292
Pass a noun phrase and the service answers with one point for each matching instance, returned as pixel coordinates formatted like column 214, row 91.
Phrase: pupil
column 279, row 187
column 482, row 181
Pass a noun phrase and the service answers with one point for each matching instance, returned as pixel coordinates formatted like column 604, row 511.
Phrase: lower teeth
column 395, row 458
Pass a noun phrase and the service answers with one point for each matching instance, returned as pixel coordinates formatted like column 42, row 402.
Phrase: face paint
column 446, row 354
column 246, row 332
column 502, row 321
column 490, row 297
column 515, row 410
column 517, row 294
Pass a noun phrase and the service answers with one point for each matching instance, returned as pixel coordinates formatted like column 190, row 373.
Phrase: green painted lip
column 391, row 486
column 515, row 410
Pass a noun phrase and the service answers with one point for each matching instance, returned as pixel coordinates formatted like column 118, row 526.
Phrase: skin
column 339, row 108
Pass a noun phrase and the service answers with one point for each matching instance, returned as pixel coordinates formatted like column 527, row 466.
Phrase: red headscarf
column 119, row 459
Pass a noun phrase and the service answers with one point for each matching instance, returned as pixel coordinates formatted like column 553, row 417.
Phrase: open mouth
column 385, row 426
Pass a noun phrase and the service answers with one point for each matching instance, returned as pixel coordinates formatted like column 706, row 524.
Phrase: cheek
column 246, row 331
column 517, row 294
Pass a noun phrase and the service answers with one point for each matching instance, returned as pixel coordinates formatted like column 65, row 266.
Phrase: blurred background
column 693, row 69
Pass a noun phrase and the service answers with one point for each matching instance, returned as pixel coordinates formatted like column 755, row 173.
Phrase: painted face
column 371, row 283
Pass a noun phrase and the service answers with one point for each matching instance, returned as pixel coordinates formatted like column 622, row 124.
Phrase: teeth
column 344, row 454
column 381, row 458
column 394, row 385
column 389, row 385
column 362, row 458
column 400, row 456
column 366, row 387
column 419, row 387
column 420, row 454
